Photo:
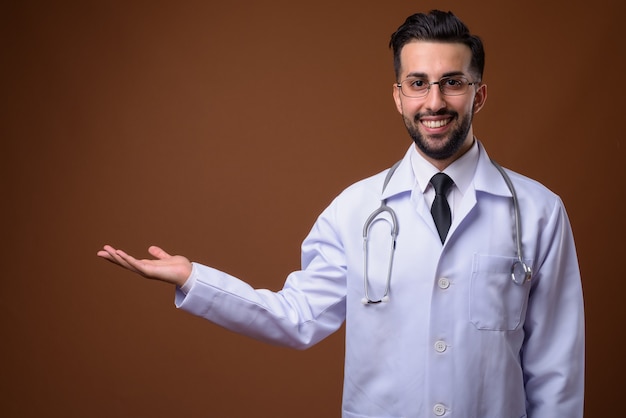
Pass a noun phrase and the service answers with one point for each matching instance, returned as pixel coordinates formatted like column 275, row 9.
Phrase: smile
column 435, row 123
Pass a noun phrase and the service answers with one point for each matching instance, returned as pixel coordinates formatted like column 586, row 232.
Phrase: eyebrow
column 424, row 75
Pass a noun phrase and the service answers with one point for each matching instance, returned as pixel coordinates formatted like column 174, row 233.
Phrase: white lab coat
column 457, row 338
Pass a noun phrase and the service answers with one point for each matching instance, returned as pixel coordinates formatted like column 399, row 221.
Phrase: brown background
column 220, row 130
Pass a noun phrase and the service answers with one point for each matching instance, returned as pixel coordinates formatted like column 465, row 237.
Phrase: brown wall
column 220, row 131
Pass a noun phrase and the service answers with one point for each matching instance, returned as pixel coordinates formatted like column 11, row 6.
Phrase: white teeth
column 435, row 123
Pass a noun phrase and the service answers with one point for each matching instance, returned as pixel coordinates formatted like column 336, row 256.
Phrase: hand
column 167, row 268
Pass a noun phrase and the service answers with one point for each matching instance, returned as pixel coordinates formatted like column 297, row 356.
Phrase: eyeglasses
column 448, row 86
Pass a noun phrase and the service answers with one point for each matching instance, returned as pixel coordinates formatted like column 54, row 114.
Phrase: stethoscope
column 520, row 271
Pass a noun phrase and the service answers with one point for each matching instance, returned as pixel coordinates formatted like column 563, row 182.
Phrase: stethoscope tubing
column 394, row 233
column 519, row 266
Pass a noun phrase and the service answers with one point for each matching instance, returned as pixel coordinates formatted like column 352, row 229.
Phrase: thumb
column 158, row 252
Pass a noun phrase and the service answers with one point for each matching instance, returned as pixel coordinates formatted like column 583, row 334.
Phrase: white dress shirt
column 460, row 171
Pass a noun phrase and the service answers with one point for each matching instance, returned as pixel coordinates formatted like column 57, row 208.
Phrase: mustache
column 442, row 112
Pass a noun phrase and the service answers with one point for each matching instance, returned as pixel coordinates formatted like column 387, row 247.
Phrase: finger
column 107, row 252
column 103, row 254
column 108, row 249
column 158, row 252
column 107, row 257
column 105, row 249
column 127, row 261
column 125, row 258
column 117, row 257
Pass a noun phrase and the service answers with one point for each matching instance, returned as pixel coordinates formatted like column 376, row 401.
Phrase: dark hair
column 437, row 26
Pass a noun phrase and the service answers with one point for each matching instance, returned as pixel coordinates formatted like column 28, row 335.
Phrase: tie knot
column 442, row 183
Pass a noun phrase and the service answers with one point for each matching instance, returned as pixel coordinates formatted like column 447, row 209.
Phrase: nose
column 435, row 99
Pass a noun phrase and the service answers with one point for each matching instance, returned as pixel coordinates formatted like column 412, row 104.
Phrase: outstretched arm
column 174, row 269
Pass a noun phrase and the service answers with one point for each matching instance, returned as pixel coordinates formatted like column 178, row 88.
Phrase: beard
column 448, row 148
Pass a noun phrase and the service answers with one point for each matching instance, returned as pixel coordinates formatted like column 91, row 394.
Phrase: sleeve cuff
column 191, row 280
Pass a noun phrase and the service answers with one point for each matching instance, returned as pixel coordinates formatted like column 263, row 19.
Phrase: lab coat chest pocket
column 496, row 302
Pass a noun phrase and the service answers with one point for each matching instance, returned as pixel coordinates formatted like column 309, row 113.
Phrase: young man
column 476, row 319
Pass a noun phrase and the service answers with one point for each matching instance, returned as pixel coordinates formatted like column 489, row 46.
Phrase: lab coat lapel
column 403, row 182
column 487, row 179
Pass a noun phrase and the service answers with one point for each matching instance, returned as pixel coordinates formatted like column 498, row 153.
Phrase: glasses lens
column 453, row 86
column 414, row 87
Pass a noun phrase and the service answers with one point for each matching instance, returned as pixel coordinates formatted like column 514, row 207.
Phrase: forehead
column 434, row 59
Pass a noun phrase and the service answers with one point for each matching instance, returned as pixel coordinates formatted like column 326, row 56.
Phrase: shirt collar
column 461, row 171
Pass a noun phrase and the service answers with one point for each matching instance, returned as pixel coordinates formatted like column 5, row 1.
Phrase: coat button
column 440, row 346
column 443, row 283
column 439, row 409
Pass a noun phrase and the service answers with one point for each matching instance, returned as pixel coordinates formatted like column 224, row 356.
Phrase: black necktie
column 440, row 208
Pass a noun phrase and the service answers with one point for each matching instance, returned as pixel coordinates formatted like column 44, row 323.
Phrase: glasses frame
column 438, row 83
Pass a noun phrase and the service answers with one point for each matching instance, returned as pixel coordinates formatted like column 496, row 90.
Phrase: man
column 455, row 333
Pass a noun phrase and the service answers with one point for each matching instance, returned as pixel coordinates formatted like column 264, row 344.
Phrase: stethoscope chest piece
column 520, row 272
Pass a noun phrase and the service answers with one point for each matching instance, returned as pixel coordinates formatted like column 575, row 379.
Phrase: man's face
column 440, row 125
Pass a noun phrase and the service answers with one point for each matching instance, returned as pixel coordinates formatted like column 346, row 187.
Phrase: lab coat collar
column 487, row 178
column 403, row 179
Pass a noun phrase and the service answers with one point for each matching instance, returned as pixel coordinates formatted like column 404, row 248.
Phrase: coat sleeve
column 310, row 306
column 553, row 352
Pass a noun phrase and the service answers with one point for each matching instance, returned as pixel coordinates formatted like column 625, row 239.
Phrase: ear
column 396, row 97
column 480, row 98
